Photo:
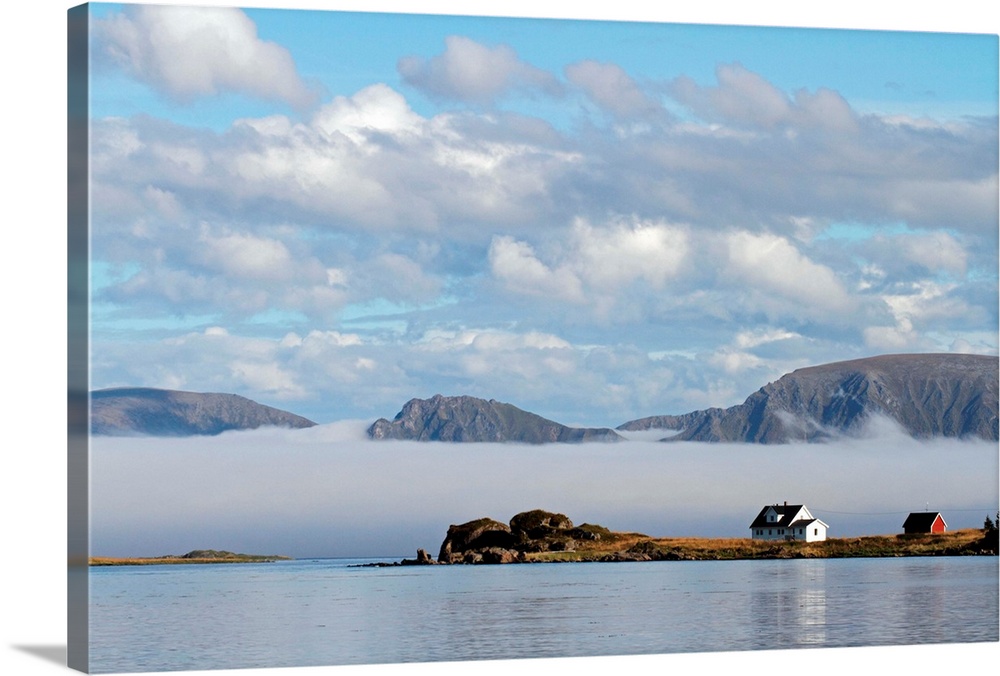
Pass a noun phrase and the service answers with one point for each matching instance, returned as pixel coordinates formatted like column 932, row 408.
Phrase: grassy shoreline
column 638, row 547
column 616, row 546
column 195, row 557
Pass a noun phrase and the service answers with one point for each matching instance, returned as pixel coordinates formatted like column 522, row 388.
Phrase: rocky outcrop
column 470, row 542
column 489, row 541
column 468, row 419
column 155, row 412
column 927, row 395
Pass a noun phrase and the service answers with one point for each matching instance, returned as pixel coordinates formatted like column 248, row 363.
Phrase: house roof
column 785, row 513
column 803, row 523
column 921, row 520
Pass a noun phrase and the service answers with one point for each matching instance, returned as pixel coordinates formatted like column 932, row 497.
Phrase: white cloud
column 732, row 361
column 516, row 264
column 376, row 108
column 369, row 202
column 624, row 251
column 190, row 52
column 596, row 265
column 366, row 162
column 917, row 310
column 611, row 88
column 474, row 72
column 741, row 97
column 490, row 340
column 268, row 379
column 243, row 256
column 763, row 336
column 897, row 338
column 771, row 265
column 936, row 251
column 825, row 109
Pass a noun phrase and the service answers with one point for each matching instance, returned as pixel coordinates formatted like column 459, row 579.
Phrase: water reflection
column 307, row 613
column 788, row 604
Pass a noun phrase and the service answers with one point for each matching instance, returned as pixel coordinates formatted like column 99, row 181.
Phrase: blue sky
column 597, row 221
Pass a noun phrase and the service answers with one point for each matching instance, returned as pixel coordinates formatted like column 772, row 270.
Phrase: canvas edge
column 78, row 337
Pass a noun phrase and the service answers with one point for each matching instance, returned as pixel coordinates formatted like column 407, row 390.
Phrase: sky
column 335, row 212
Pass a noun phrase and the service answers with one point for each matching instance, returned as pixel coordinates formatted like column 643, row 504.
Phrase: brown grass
column 636, row 546
column 171, row 559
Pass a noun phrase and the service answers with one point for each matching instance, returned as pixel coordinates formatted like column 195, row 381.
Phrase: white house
column 787, row 522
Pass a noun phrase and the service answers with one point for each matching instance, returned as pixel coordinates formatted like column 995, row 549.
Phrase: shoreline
column 621, row 547
column 204, row 556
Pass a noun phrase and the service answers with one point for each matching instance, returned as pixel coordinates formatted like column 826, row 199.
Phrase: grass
column 197, row 556
column 635, row 546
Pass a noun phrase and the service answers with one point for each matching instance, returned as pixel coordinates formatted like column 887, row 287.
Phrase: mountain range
column 925, row 395
column 169, row 413
column 470, row 419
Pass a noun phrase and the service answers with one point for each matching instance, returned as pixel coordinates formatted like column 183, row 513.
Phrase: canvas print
column 426, row 338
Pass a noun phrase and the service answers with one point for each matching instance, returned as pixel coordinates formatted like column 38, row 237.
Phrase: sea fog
column 329, row 491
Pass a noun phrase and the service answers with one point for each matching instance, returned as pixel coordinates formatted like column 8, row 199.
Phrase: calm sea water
column 327, row 612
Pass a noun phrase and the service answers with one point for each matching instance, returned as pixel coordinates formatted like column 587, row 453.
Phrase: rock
column 493, row 555
column 467, row 419
column 540, row 531
column 927, row 395
column 423, row 559
column 538, row 523
column 475, row 535
column 488, row 541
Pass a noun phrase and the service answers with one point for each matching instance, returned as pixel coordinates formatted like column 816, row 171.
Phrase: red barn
column 924, row 522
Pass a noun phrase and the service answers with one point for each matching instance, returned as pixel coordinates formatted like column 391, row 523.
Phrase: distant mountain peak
column 927, row 395
column 469, row 419
column 149, row 411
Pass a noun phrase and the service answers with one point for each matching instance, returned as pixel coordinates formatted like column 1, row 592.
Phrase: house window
column 769, row 531
column 815, row 531
column 800, row 531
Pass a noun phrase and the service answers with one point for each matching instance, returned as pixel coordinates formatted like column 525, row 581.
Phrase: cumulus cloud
column 616, row 255
column 934, row 251
column 244, row 256
column 473, row 72
column 516, row 264
column 774, row 268
column 741, row 97
column 342, row 248
column 191, row 52
column 611, row 88
column 377, row 108
column 596, row 265
column 364, row 162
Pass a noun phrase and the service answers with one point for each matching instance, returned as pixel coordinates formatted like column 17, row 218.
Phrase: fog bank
column 330, row 491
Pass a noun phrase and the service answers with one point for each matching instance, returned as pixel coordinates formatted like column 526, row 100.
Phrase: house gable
column 787, row 522
column 924, row 522
column 779, row 516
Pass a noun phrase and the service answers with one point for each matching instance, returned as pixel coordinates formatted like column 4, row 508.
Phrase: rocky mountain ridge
column 927, row 395
column 468, row 419
column 155, row 412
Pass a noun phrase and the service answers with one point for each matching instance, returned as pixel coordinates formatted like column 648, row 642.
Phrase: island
column 195, row 556
column 539, row 536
